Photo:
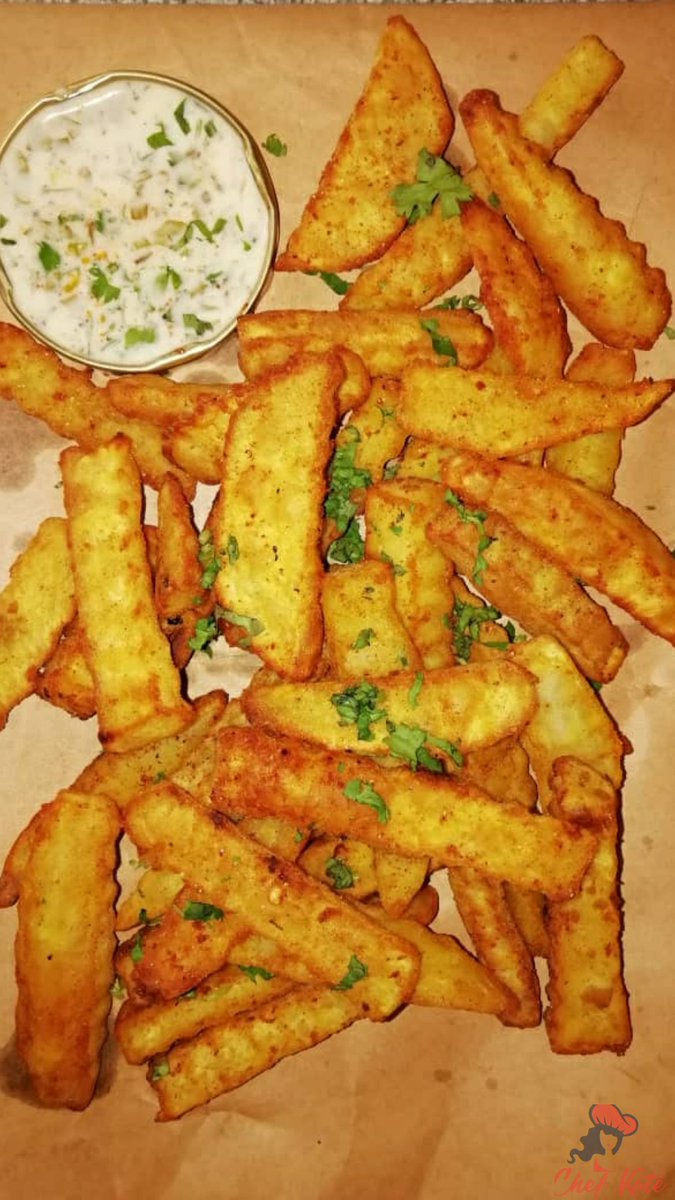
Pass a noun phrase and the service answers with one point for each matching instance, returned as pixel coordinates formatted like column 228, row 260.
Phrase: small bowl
column 83, row 91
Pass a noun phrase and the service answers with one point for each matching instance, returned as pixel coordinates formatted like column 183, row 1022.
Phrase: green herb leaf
column 102, row 288
column 344, row 477
column 480, row 565
column 100, row 221
column 159, row 138
column 275, row 146
column 396, row 567
column 357, row 705
column 441, row 344
column 118, row 991
column 413, row 694
column 3, row 221
column 472, row 517
column 134, row 336
column 179, row 114
column 465, row 623
column 191, row 321
column 597, row 687
column 159, row 777
column 232, row 549
column 251, row 624
column 350, row 548
column 409, row 743
column 435, row 179
column 340, row 874
column 209, row 560
column 49, row 257
column 195, row 910
column 206, row 631
column 493, row 200
column 334, row 282
column 256, row 973
column 363, row 639
column 355, row 973
column 189, row 995
column 471, row 303
column 210, row 129
column 168, row 276
column 298, row 836
column 364, row 793
column 137, row 948
column 670, row 333
column 201, row 227
column 160, row 1069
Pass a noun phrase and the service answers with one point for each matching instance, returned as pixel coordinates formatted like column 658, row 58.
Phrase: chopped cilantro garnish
column 298, row 836
column 334, row 282
column 251, row 624
column 160, row 1069
column 137, row 948
column 480, row 565
column 275, row 146
column 201, row 227
column 210, row 128
column 191, row 321
column 232, row 549
column 206, row 631
column 472, row 517
column 396, row 529
column 135, row 335
column 159, row 777
column 344, row 477
column 465, row 623
column 436, row 179
column 196, row 910
column 471, row 303
column 396, row 567
column 102, row 288
column 118, row 991
column 209, row 560
column 340, row 874
column 351, row 547
column 358, row 705
column 409, row 743
column 99, row 223
column 364, row 793
column 493, row 200
column 159, row 138
column 597, row 687
column 355, row 972
column 49, row 257
column 256, row 973
column 3, row 221
column 168, row 276
column 413, row 694
column 363, row 639
column 670, row 333
column 179, row 114
column 189, row 995
column 441, row 344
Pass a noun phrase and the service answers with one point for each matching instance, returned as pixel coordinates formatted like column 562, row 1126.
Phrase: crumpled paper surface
column 432, row 1104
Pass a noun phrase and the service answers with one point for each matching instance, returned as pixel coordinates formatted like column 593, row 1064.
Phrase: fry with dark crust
column 64, row 946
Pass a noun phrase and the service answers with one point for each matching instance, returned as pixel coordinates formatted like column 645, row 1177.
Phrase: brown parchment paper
column 432, row 1104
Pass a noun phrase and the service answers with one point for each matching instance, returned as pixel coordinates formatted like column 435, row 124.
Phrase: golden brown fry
column 138, row 696
column 521, row 580
column 528, row 910
column 386, row 341
column 154, row 893
column 66, row 679
column 225, row 1057
column 570, row 95
column 594, row 459
column 122, row 776
column 364, row 632
column 472, row 706
column 35, row 606
column 397, row 515
column 624, row 304
column 264, row 354
column 570, row 719
column 275, row 897
column 500, row 416
column 588, row 1000
column 271, row 509
column 590, row 535
column 145, row 1030
column 351, row 219
column 70, row 404
column 64, row 946
column 399, row 880
column 162, row 401
column 422, row 814
column 197, row 445
column 527, row 318
column 180, row 599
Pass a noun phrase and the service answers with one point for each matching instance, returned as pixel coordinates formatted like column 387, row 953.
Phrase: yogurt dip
column 136, row 222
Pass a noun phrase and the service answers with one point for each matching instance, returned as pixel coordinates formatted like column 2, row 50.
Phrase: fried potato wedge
column 271, row 509
column 385, row 341
column 228, row 1055
column 399, row 879
column 162, row 401
column 570, row 719
column 375, row 429
column 180, row 599
column 527, row 317
column 601, row 274
column 433, row 254
column 588, row 1000
column 520, row 579
column 351, row 219
column 397, row 515
column 594, row 459
column 122, row 776
column 64, row 946
column 145, row 1030
column 364, row 632
column 472, row 707
column 153, row 895
column 453, row 822
column 66, row 679
column 35, row 606
column 197, row 445
column 590, row 535
column 264, row 354
column 72, row 406
column 275, row 897
column 500, row 416
column 138, row 689
column 528, row 910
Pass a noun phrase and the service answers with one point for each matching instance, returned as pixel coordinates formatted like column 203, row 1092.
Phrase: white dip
column 131, row 224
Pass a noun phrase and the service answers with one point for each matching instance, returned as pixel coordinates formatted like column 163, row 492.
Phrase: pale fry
column 588, row 1001
column 70, row 404
column 364, row 633
column 350, row 219
column 601, row 275
column 385, row 341
column 64, row 946
column 471, row 707
column 594, row 538
column 500, row 416
column 276, row 898
column 35, row 606
column 452, row 822
column 138, row 693
column 520, row 579
column 594, row 459
column 270, row 509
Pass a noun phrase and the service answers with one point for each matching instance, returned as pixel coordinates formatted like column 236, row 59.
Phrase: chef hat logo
column 609, row 1119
